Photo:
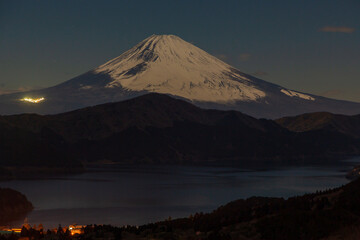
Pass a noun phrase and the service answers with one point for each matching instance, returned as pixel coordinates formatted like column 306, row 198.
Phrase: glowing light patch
column 32, row 100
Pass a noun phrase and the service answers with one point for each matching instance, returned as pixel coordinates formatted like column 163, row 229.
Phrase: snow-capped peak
column 168, row 64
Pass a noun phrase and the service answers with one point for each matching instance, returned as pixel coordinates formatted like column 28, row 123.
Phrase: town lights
column 32, row 100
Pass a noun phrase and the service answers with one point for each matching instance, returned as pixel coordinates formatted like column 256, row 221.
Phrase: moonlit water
column 139, row 195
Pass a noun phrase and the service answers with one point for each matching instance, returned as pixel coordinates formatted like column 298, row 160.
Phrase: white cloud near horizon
column 244, row 57
column 222, row 57
column 332, row 93
column 8, row 91
column 337, row 29
column 260, row 73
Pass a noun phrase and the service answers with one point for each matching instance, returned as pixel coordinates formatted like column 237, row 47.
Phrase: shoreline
column 8, row 173
column 233, row 218
column 159, row 169
column 44, row 173
column 38, row 173
column 31, row 173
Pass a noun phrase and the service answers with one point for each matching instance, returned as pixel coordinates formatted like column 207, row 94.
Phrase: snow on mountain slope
column 297, row 94
column 168, row 64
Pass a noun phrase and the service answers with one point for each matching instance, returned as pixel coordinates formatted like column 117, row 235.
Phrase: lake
column 121, row 195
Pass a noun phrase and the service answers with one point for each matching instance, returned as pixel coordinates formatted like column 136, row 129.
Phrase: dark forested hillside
column 13, row 205
column 332, row 214
column 156, row 128
column 323, row 121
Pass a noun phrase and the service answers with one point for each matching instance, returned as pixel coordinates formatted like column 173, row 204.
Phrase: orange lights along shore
column 74, row 229
column 15, row 230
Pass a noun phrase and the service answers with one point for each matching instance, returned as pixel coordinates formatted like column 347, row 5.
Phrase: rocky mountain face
column 169, row 65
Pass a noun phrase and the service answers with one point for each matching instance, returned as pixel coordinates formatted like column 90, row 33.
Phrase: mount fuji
column 169, row 65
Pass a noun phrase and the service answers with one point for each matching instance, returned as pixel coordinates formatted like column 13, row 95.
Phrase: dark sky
column 311, row 46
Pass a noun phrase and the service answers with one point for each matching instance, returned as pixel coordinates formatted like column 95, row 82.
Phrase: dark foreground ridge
column 156, row 128
column 332, row 214
column 13, row 205
column 328, row 215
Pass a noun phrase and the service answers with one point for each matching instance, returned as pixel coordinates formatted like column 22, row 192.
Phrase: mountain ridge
column 153, row 109
column 156, row 128
column 169, row 65
column 323, row 121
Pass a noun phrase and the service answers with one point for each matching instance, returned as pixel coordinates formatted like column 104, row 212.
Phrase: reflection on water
column 138, row 195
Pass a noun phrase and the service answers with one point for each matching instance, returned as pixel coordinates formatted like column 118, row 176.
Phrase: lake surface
column 138, row 195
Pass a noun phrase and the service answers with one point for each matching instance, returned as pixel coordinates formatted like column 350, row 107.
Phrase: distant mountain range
column 323, row 121
column 169, row 65
column 156, row 128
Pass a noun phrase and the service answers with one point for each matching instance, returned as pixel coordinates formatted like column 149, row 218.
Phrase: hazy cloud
column 8, row 91
column 335, row 29
column 244, row 57
column 260, row 73
column 332, row 93
column 223, row 57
